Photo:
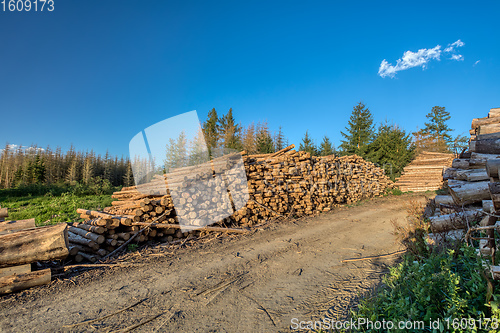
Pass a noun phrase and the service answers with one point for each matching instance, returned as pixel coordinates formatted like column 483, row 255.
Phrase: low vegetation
column 444, row 286
column 55, row 203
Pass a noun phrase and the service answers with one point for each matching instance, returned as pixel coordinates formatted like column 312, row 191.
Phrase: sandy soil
column 255, row 282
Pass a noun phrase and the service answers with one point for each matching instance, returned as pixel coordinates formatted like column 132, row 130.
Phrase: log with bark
column 19, row 282
column 10, row 226
column 455, row 221
column 470, row 193
column 27, row 246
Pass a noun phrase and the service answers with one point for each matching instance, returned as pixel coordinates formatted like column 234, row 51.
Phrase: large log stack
column 285, row 183
column 425, row 172
column 474, row 189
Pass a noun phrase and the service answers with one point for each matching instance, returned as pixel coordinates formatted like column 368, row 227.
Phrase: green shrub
column 446, row 286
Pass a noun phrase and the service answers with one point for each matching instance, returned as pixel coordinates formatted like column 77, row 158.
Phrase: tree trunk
column 10, row 226
column 454, row 221
column 27, row 246
column 470, row 193
column 16, row 282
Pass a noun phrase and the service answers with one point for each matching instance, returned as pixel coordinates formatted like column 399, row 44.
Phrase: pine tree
column 308, row 145
column 211, row 130
column 360, row 132
column 264, row 141
column 437, row 126
column 279, row 140
column 326, row 148
column 392, row 149
column 230, row 132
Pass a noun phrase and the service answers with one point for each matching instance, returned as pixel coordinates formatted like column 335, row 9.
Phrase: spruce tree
column 392, row 149
column 308, row 145
column 230, row 131
column 211, row 130
column 326, row 147
column 264, row 141
column 360, row 132
column 279, row 140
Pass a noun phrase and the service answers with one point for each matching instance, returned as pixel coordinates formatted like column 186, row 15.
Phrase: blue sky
column 95, row 73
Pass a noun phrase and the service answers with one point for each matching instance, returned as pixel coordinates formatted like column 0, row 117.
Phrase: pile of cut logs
column 474, row 190
column 21, row 244
column 425, row 172
column 285, row 183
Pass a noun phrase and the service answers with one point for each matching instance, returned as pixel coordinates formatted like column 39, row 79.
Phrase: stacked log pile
column 474, row 190
column 286, row 183
column 21, row 244
column 425, row 173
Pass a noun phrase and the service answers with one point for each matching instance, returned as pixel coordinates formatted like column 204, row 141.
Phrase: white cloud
column 477, row 62
column 409, row 60
column 451, row 47
column 418, row 59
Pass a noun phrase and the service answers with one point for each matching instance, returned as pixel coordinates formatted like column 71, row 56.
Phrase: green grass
column 51, row 204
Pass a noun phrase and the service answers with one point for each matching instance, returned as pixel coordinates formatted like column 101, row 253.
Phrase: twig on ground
column 133, row 327
column 107, row 316
column 374, row 257
column 261, row 308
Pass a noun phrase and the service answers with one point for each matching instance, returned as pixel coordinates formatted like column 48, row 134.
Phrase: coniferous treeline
column 387, row 145
column 24, row 166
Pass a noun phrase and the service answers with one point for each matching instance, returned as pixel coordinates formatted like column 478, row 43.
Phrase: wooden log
column 8, row 226
column 20, row 269
column 470, row 193
column 77, row 239
column 494, row 112
column 13, row 283
column 476, row 122
column 488, row 206
column 30, row 245
column 444, row 199
column 484, row 157
column 95, row 229
column 122, row 219
column 89, row 256
column 492, row 167
column 449, row 222
column 494, row 189
column 485, row 146
column 487, row 129
column 472, row 175
column 99, row 239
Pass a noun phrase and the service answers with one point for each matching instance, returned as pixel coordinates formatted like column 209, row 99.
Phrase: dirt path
column 250, row 283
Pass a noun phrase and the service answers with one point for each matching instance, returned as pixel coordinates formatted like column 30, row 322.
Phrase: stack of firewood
column 285, row 183
column 425, row 172
column 474, row 189
column 21, row 244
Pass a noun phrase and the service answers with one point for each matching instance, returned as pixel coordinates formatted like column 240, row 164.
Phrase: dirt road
column 249, row 283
